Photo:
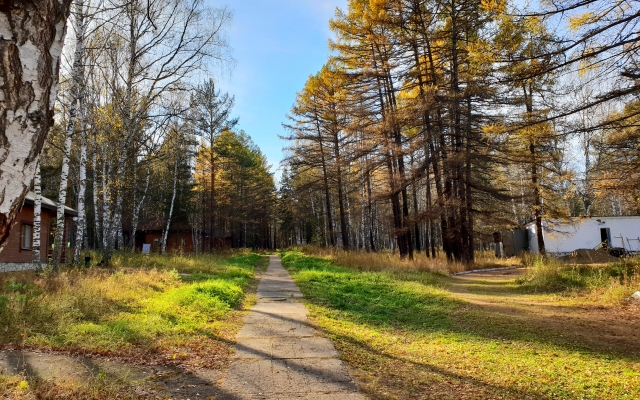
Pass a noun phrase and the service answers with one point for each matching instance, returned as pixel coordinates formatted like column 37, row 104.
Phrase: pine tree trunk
column 343, row 220
column 432, row 227
column 32, row 39
column 535, row 178
column 212, row 200
column 325, row 179
column 372, row 242
column 324, row 225
column 363, row 207
column 313, row 211
column 537, row 200
column 416, row 226
column 348, row 206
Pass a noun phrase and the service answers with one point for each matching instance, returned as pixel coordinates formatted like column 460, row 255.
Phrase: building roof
column 48, row 204
column 596, row 217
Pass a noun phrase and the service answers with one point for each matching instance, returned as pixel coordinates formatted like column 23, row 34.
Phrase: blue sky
column 277, row 44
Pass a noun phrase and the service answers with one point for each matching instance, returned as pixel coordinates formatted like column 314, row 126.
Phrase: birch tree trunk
column 37, row 218
column 81, row 198
column 64, row 175
column 77, row 78
column 32, row 36
column 106, row 226
column 173, row 199
column 137, row 207
column 96, row 213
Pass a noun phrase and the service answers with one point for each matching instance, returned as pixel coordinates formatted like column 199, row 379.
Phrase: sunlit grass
column 144, row 303
column 407, row 337
column 604, row 284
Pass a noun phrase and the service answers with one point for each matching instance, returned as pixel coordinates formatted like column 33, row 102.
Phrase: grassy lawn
column 417, row 334
column 153, row 309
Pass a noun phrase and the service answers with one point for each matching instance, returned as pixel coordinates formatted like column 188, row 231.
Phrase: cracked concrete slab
column 276, row 328
column 279, row 355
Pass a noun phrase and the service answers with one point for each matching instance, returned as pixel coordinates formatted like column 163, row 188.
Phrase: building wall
column 182, row 241
column 533, row 238
column 584, row 233
column 12, row 252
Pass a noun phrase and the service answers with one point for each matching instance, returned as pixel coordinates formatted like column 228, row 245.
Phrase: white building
column 563, row 237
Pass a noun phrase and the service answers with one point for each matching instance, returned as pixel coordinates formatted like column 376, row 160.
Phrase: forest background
column 436, row 123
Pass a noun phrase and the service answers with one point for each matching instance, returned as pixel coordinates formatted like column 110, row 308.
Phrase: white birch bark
column 37, row 217
column 81, row 198
column 64, row 175
column 106, row 226
column 76, row 89
column 165, row 234
column 31, row 39
column 117, row 226
column 138, row 206
column 113, row 231
column 115, row 237
column 96, row 210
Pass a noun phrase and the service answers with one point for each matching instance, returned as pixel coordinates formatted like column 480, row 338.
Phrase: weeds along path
column 279, row 355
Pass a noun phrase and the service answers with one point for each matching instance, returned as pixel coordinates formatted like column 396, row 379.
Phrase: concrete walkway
column 279, row 355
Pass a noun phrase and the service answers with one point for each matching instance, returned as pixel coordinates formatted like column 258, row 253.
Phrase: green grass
column 153, row 305
column 406, row 336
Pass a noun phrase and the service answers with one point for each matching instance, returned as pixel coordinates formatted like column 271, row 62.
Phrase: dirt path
column 611, row 328
column 279, row 355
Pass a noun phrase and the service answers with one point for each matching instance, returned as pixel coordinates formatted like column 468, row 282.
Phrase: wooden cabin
column 19, row 247
column 181, row 238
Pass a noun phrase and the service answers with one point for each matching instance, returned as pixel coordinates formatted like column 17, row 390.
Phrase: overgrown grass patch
column 385, row 260
column 606, row 283
column 406, row 336
column 145, row 304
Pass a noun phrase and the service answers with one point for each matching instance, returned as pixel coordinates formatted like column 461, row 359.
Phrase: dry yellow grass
column 604, row 284
column 178, row 311
column 383, row 260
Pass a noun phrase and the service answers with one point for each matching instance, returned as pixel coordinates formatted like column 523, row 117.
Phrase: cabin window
column 26, row 237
